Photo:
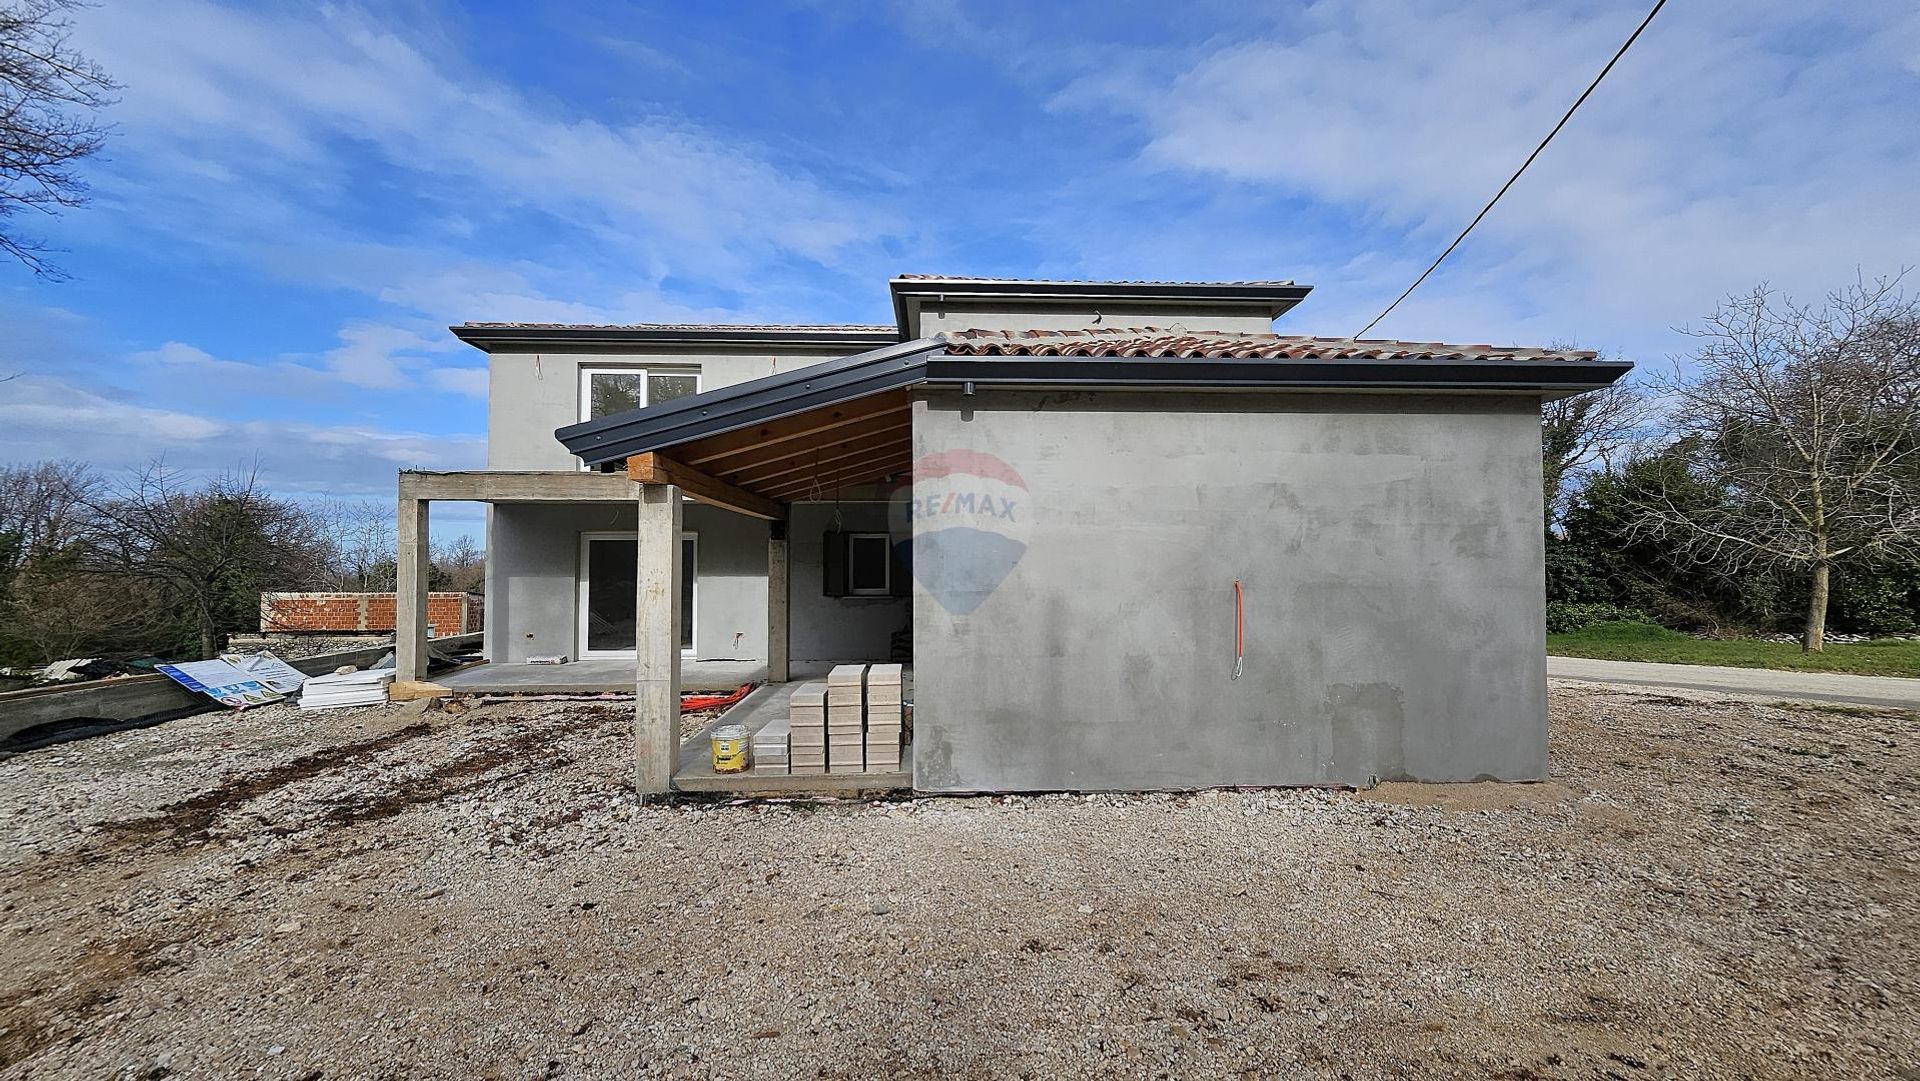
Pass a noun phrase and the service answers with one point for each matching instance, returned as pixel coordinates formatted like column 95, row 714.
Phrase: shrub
column 1564, row 618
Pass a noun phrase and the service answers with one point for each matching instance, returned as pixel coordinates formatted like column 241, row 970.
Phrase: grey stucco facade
column 533, row 583
column 530, row 393
column 1391, row 552
column 533, row 569
column 533, row 562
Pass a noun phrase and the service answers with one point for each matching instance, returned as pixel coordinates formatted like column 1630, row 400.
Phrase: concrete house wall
column 531, row 394
column 533, row 568
column 1391, row 552
column 533, row 550
column 837, row 630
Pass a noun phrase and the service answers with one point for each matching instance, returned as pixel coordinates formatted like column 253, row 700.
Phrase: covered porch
column 760, row 468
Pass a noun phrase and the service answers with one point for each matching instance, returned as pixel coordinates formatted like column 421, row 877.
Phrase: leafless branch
column 1805, row 422
column 49, row 98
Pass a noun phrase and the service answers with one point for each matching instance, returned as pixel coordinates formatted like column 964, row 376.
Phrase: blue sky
column 298, row 199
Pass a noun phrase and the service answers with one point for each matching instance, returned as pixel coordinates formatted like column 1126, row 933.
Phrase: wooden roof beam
column 653, row 468
column 828, row 480
column 889, row 423
column 799, row 426
column 820, row 458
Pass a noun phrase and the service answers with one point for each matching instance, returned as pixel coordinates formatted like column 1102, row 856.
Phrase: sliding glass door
column 608, row 580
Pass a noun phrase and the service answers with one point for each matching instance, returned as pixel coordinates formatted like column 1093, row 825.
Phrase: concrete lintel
column 656, row 720
column 525, row 486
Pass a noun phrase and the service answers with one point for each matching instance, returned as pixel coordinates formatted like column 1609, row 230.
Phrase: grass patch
column 1646, row 642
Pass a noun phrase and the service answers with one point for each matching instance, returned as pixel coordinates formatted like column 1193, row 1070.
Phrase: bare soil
column 1707, row 888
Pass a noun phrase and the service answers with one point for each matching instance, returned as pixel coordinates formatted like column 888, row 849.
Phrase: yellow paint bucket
column 730, row 748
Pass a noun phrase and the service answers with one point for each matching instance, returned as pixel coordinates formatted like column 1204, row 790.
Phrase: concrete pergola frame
column 656, row 602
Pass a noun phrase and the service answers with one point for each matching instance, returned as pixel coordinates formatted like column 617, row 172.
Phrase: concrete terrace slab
column 595, row 675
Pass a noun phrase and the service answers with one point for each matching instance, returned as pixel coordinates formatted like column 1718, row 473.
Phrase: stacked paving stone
column 807, row 729
column 883, row 718
column 846, row 719
column 770, row 746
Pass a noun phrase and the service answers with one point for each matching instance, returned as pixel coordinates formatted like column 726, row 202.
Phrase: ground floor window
column 869, row 561
column 609, row 576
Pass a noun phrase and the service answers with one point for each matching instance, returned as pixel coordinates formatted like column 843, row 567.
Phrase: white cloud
column 240, row 97
column 370, row 356
column 1734, row 143
column 45, row 417
column 37, row 405
column 469, row 381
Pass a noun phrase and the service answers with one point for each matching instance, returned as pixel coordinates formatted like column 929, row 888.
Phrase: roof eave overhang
column 1201, row 373
column 910, row 293
column 746, row 404
column 925, row 362
column 494, row 339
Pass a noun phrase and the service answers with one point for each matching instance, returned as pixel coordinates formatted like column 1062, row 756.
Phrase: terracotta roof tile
column 1158, row 342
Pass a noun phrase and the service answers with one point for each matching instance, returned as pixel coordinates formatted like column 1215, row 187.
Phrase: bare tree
column 49, row 607
column 1805, row 420
column 1586, row 431
column 211, row 549
column 41, row 508
column 459, row 565
column 360, row 536
column 49, row 98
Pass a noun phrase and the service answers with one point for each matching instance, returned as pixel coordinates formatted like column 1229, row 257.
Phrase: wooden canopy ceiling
column 808, row 455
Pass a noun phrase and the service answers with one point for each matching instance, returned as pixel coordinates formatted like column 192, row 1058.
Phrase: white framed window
column 869, row 564
column 606, row 390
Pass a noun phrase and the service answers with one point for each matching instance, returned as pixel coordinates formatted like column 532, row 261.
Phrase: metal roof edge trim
column 1411, row 374
column 1281, row 298
column 816, row 386
column 489, row 338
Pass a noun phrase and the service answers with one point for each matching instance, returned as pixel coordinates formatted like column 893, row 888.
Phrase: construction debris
column 770, row 754
column 807, row 719
column 406, row 690
column 883, row 718
column 346, row 689
column 846, row 719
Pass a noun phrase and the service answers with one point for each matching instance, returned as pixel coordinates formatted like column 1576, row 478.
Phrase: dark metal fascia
column 744, row 405
column 490, row 338
column 1122, row 372
column 1282, row 297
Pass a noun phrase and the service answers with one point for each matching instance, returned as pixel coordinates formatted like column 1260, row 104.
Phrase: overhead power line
column 1523, row 167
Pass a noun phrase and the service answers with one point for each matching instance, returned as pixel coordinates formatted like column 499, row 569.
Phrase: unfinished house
column 1121, row 534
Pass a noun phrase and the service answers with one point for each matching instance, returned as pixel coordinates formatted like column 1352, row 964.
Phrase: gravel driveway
column 1708, row 888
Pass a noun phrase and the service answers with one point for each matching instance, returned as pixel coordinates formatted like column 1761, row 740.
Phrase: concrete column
column 778, row 651
column 656, row 720
column 410, row 591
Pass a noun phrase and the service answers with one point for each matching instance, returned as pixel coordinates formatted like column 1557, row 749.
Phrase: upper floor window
column 605, row 391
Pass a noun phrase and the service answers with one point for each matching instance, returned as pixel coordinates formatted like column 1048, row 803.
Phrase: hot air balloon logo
column 967, row 512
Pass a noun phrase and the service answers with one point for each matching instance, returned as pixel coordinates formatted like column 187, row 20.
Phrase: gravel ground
column 1708, row 888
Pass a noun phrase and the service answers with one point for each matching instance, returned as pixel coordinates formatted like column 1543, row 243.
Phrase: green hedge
column 1564, row 617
